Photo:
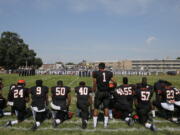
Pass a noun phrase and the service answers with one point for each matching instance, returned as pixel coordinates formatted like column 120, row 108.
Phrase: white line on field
column 79, row 121
column 73, row 81
column 95, row 130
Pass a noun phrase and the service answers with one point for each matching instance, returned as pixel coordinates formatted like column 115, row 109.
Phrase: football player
column 84, row 100
column 167, row 99
column 2, row 105
column 122, row 104
column 61, row 99
column 12, row 86
column 143, row 94
column 101, row 79
column 158, row 89
column 128, row 90
column 18, row 96
column 39, row 96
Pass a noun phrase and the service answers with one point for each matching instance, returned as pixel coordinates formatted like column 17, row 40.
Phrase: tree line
column 14, row 53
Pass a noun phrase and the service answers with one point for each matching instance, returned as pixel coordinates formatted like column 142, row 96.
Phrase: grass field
column 73, row 126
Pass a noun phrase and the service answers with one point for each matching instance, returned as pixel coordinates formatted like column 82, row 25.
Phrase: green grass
column 72, row 81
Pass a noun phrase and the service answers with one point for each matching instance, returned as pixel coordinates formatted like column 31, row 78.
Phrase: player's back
column 59, row 94
column 128, row 90
column 83, row 93
column 102, row 79
column 18, row 96
column 168, row 94
column 38, row 95
column 119, row 95
column 144, row 94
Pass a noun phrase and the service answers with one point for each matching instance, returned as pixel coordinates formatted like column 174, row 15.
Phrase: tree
column 14, row 52
column 70, row 63
column 178, row 58
column 38, row 62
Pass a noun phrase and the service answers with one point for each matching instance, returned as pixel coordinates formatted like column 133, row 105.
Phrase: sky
column 95, row 30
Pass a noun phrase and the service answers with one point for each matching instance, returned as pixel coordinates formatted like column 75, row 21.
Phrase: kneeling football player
column 84, row 100
column 61, row 100
column 39, row 95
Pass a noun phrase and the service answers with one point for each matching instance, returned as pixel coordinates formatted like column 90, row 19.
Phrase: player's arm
column 47, row 101
column 90, row 99
column 94, row 84
column 135, row 99
column 113, row 79
column 69, row 98
column 27, row 95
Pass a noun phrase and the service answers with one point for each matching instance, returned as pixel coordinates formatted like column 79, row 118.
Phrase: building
column 116, row 65
column 156, row 65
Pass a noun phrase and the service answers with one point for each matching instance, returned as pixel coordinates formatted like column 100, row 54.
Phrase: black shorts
column 62, row 115
column 143, row 113
column 123, row 107
column 20, row 113
column 102, row 97
column 82, row 105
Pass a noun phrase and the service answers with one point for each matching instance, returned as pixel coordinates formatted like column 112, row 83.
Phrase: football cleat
column 153, row 128
column 54, row 124
column 34, row 127
column 130, row 122
column 8, row 124
column 84, row 124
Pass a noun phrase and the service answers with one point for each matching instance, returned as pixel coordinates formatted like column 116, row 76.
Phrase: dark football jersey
column 177, row 94
column 168, row 94
column 119, row 95
column 144, row 94
column 38, row 95
column 128, row 90
column 18, row 96
column 59, row 95
column 83, row 93
column 102, row 79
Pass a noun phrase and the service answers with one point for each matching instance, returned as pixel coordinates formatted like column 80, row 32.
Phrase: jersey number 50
column 60, row 91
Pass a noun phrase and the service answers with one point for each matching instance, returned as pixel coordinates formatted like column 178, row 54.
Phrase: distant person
column 39, row 96
column 61, row 99
column 84, row 100
column 101, row 79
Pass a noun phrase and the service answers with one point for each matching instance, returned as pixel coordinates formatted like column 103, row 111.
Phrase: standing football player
column 101, row 79
column 18, row 96
column 84, row 100
column 143, row 94
column 61, row 99
column 39, row 95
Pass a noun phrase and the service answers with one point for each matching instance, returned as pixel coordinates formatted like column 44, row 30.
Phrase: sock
column 14, row 122
column 153, row 113
column 106, row 121
column 127, row 119
column 110, row 114
column 174, row 119
column 58, row 121
column 148, row 125
column 7, row 113
column 95, row 121
column 38, row 123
